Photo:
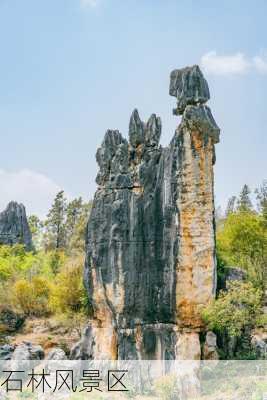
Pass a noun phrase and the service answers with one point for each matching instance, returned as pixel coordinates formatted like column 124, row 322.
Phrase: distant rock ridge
column 14, row 227
column 150, row 248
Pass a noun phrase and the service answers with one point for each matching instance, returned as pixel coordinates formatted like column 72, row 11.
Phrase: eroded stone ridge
column 150, row 246
column 14, row 228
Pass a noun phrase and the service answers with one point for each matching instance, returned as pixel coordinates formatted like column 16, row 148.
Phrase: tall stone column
column 150, row 246
column 196, row 262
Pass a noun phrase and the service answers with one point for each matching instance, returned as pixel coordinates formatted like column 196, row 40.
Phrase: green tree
column 233, row 315
column 235, row 309
column 55, row 223
column 68, row 292
column 31, row 296
column 244, row 203
column 77, row 239
column 36, row 227
column 230, row 208
column 74, row 211
column 262, row 200
column 241, row 241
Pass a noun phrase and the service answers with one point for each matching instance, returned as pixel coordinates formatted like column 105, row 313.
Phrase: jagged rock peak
column 144, row 133
column 117, row 158
column 153, row 130
column 136, row 129
column 14, row 227
column 189, row 86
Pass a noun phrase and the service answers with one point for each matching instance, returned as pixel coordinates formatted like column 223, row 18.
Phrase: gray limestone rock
column 10, row 321
column 259, row 344
column 84, row 349
column 234, row 274
column 199, row 118
column 56, row 354
column 136, row 130
column 14, row 226
column 150, row 237
column 189, row 86
column 210, row 347
column 6, row 352
column 28, row 351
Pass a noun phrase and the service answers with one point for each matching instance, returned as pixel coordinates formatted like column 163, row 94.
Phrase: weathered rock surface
column 259, row 343
column 150, row 244
column 234, row 274
column 28, row 351
column 189, row 86
column 56, row 354
column 210, row 347
column 6, row 352
column 10, row 321
column 14, row 226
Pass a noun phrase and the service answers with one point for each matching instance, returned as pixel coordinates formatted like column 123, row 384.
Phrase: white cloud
column 260, row 63
column 89, row 3
column 226, row 64
column 36, row 191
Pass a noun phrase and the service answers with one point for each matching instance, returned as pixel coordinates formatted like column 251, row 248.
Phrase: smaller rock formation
column 259, row 343
column 14, row 227
column 28, row 351
column 10, row 321
column 6, row 352
column 234, row 274
column 189, row 86
column 56, row 354
column 210, row 347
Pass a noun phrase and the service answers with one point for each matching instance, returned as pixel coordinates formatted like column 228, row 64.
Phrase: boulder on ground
column 6, row 352
column 56, row 354
column 10, row 321
column 28, row 351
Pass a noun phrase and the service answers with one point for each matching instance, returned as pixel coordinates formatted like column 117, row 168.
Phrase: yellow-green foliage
column 68, row 293
column 42, row 282
column 16, row 262
column 242, row 241
column 31, row 296
column 236, row 309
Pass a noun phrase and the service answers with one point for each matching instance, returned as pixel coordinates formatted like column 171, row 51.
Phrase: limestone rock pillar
column 196, row 263
column 150, row 242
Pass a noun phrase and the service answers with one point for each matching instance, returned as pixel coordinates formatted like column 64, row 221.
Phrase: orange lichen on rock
column 196, row 264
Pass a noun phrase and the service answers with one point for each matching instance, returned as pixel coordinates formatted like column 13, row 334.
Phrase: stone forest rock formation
column 14, row 226
column 150, row 246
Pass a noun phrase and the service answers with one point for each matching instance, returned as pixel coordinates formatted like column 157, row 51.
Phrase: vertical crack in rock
column 150, row 247
column 14, row 228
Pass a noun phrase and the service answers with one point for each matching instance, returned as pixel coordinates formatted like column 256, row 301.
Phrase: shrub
column 235, row 310
column 57, row 259
column 31, row 296
column 68, row 293
column 242, row 241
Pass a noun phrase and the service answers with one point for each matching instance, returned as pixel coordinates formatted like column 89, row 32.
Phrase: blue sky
column 71, row 69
